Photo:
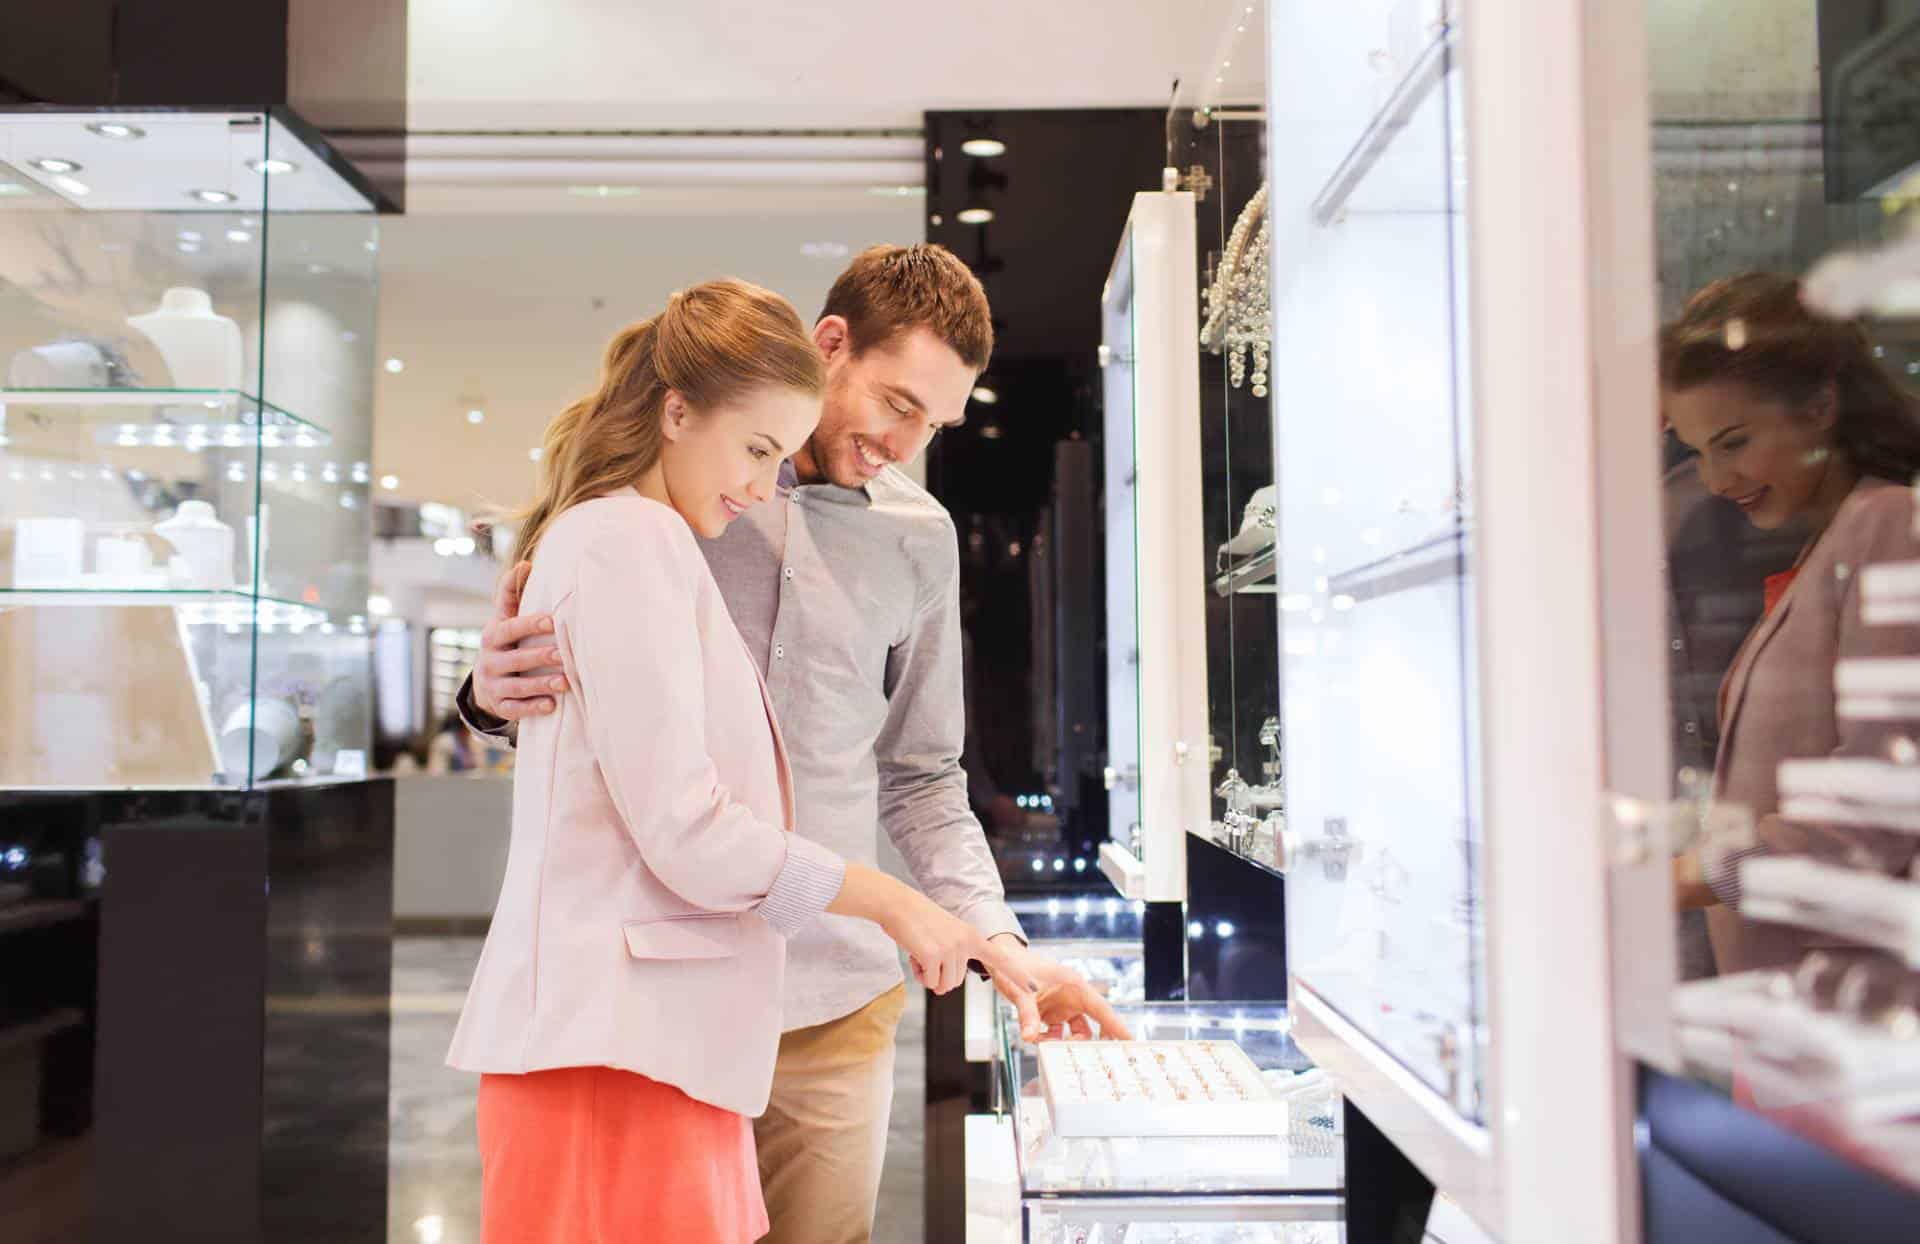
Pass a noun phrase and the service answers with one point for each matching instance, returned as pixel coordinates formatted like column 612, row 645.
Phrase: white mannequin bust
column 202, row 350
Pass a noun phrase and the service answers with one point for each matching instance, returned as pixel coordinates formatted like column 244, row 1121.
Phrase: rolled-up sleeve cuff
column 810, row 879
column 994, row 918
column 478, row 721
column 1723, row 874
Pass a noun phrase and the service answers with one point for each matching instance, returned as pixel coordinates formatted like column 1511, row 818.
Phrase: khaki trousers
column 824, row 1135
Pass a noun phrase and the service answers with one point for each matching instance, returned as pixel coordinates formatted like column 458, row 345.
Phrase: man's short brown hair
column 889, row 290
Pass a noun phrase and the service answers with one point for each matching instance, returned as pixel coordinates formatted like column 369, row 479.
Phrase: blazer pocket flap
column 684, row 937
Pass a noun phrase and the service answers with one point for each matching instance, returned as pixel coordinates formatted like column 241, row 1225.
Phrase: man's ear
column 832, row 337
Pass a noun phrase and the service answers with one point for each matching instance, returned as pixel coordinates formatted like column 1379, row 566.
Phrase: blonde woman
column 626, row 1009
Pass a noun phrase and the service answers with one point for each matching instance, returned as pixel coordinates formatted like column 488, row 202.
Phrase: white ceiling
column 490, row 282
column 773, row 64
column 513, row 312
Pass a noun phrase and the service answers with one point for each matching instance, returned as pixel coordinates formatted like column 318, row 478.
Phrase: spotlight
column 272, row 168
column 55, row 166
column 213, row 196
column 984, row 148
column 974, row 215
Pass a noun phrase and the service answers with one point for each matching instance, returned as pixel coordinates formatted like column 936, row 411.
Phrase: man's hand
column 1069, row 1004
column 511, row 681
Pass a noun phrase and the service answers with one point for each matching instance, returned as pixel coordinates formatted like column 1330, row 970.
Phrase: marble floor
column 434, row 1168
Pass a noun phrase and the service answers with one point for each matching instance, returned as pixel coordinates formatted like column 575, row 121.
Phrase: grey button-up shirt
column 850, row 601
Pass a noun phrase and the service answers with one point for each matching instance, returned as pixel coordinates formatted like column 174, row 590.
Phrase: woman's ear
column 673, row 415
column 1824, row 407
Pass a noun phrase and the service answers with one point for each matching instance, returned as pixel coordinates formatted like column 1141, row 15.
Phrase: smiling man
column 846, row 588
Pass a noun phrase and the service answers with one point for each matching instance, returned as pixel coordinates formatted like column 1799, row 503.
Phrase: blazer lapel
column 1740, row 673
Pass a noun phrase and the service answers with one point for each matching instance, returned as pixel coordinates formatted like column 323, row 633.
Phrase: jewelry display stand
column 202, row 350
column 1157, row 1088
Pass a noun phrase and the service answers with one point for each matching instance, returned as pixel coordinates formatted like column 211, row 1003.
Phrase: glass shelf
column 1306, row 1165
column 1431, row 561
column 192, row 419
column 198, row 607
column 1252, row 577
column 1378, row 159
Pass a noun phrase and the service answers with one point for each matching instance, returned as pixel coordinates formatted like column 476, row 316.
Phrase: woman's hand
column 938, row 944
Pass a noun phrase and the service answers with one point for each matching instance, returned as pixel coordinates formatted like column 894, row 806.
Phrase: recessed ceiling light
column 535, row 454
column 389, row 482
column 212, row 196
column 476, row 416
column 985, row 396
column 985, row 148
column 55, row 166
column 190, row 248
column 974, row 215
column 239, row 235
column 318, row 269
column 117, row 129
column 9, row 189
column 188, row 235
column 272, row 168
column 78, row 189
column 396, row 366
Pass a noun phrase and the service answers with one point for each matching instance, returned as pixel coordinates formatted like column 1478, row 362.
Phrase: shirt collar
column 789, row 480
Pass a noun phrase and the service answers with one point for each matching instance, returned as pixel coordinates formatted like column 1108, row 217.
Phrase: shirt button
column 789, row 572
column 1693, row 728
column 779, row 651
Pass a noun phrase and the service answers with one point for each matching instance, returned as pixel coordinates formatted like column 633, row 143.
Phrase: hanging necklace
column 1238, row 307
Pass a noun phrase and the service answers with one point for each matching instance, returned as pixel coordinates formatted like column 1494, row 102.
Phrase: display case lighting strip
column 242, row 612
column 198, row 437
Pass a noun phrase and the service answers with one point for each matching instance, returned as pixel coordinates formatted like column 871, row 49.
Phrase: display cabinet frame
column 1566, row 534
column 1157, row 771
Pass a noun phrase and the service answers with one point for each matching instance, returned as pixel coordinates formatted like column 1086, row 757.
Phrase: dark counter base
column 238, row 1017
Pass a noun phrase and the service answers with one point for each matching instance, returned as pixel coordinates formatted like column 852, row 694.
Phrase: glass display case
column 187, row 306
column 1157, row 769
column 1216, row 138
column 1376, row 618
column 1459, row 370
column 1179, row 1188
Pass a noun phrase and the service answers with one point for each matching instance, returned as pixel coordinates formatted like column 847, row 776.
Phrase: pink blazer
column 1780, row 705
column 652, row 878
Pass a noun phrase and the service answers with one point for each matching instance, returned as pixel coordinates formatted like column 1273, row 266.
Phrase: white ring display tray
column 1157, row 1088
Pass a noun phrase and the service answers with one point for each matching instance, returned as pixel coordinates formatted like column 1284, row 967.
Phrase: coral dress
column 594, row 1155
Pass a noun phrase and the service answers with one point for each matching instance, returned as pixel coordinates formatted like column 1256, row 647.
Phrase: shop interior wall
column 1060, row 196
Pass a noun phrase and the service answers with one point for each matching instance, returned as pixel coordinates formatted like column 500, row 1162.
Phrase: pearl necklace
column 1238, row 306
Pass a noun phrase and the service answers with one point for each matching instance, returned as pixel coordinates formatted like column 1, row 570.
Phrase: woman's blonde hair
column 714, row 342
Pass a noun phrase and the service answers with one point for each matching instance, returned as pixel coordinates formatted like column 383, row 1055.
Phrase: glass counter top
column 1079, row 917
column 1306, row 1164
